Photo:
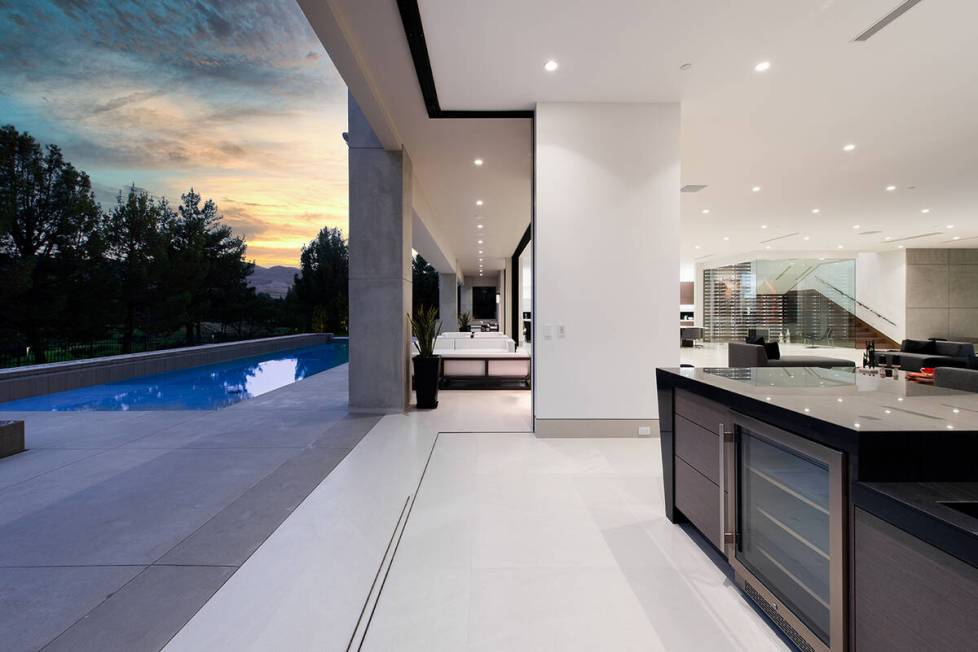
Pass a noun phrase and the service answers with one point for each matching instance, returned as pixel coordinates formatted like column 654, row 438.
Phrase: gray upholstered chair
column 953, row 378
column 742, row 355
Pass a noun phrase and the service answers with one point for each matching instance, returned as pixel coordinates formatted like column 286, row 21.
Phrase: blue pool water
column 209, row 387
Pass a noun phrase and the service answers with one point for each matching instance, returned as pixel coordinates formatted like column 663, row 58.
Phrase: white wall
column 606, row 263
column 881, row 284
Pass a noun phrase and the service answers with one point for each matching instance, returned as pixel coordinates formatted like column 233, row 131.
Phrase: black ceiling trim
column 413, row 29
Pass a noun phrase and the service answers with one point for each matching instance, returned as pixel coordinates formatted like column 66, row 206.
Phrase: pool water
column 209, row 387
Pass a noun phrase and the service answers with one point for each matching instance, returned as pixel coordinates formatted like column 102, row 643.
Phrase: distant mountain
column 274, row 281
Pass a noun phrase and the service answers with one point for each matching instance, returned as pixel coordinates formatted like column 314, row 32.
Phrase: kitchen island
column 845, row 502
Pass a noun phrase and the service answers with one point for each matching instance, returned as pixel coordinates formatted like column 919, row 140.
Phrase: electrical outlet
column 561, row 331
column 548, row 331
column 644, row 430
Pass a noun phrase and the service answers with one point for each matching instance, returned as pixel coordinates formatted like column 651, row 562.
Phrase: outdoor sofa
column 482, row 361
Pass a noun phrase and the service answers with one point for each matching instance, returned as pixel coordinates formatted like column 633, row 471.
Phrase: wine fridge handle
column 727, row 533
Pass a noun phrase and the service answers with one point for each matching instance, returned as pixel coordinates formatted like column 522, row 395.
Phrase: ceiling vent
column 692, row 187
column 876, row 27
column 780, row 237
column 914, row 237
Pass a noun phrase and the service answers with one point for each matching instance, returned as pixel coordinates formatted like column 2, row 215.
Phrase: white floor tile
column 567, row 548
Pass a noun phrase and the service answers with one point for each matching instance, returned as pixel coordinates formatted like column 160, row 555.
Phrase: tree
column 425, row 285
column 134, row 242
column 321, row 288
column 48, row 216
column 208, row 270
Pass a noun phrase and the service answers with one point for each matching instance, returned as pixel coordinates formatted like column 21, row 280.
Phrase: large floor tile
column 145, row 613
column 542, row 544
column 148, row 503
column 38, row 604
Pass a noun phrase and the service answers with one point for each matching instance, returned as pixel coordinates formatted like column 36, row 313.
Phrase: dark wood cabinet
column 908, row 595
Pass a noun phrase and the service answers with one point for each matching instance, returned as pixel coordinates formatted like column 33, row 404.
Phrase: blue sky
column 234, row 97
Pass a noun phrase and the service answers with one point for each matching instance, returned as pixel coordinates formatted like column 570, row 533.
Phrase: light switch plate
column 644, row 430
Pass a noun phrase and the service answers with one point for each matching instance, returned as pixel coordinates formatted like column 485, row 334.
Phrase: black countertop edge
column 913, row 507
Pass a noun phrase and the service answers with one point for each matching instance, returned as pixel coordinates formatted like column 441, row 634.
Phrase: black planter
column 426, row 381
column 465, row 329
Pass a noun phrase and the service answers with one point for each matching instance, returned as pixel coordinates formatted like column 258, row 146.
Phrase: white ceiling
column 908, row 99
column 366, row 42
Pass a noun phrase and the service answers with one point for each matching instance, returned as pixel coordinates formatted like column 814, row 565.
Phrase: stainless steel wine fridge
column 784, row 516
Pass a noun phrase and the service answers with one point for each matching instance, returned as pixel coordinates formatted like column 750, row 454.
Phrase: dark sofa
column 742, row 355
column 915, row 355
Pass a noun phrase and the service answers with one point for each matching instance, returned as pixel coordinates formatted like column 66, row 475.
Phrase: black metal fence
column 17, row 356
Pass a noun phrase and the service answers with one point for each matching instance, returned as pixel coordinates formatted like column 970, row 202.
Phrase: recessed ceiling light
column 696, row 247
column 477, row 162
column 816, row 211
column 957, row 237
column 756, row 189
column 764, row 226
column 726, row 237
column 480, row 226
column 551, row 66
column 899, row 246
column 705, row 211
column 890, row 188
column 839, row 247
column 763, row 66
column 848, row 148
column 480, row 242
column 480, row 252
column 807, row 237
column 855, row 226
column 925, row 211
column 950, row 226
column 768, row 247
column 888, row 237
column 478, row 202
column 480, row 260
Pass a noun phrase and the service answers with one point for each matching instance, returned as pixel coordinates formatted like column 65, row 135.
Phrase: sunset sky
column 236, row 98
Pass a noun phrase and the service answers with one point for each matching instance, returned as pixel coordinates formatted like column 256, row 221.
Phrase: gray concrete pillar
column 448, row 302
column 380, row 271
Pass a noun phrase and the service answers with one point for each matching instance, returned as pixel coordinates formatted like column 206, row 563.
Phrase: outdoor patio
column 116, row 527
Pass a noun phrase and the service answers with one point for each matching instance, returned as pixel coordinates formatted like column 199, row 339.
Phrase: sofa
column 742, row 355
column 489, row 360
column 915, row 355
column 965, row 380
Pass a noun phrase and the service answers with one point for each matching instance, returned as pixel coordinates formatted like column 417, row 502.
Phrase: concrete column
column 380, row 271
column 448, row 302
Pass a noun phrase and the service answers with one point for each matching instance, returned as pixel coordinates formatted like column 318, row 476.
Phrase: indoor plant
column 426, row 327
column 464, row 323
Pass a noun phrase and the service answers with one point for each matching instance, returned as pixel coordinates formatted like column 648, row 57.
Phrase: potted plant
column 464, row 323
column 426, row 327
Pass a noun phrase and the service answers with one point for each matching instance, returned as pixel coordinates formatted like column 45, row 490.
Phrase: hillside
column 274, row 281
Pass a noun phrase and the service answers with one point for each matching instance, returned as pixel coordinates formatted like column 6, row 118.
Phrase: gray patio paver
column 40, row 603
column 130, row 521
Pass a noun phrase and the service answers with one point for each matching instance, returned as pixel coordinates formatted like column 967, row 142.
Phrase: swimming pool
column 208, row 387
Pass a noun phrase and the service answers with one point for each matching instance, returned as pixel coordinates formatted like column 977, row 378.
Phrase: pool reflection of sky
column 209, row 387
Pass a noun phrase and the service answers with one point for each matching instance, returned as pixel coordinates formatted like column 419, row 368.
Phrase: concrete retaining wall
column 35, row 380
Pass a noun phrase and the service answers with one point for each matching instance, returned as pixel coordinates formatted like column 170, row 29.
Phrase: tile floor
column 519, row 543
column 507, row 542
column 110, row 515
